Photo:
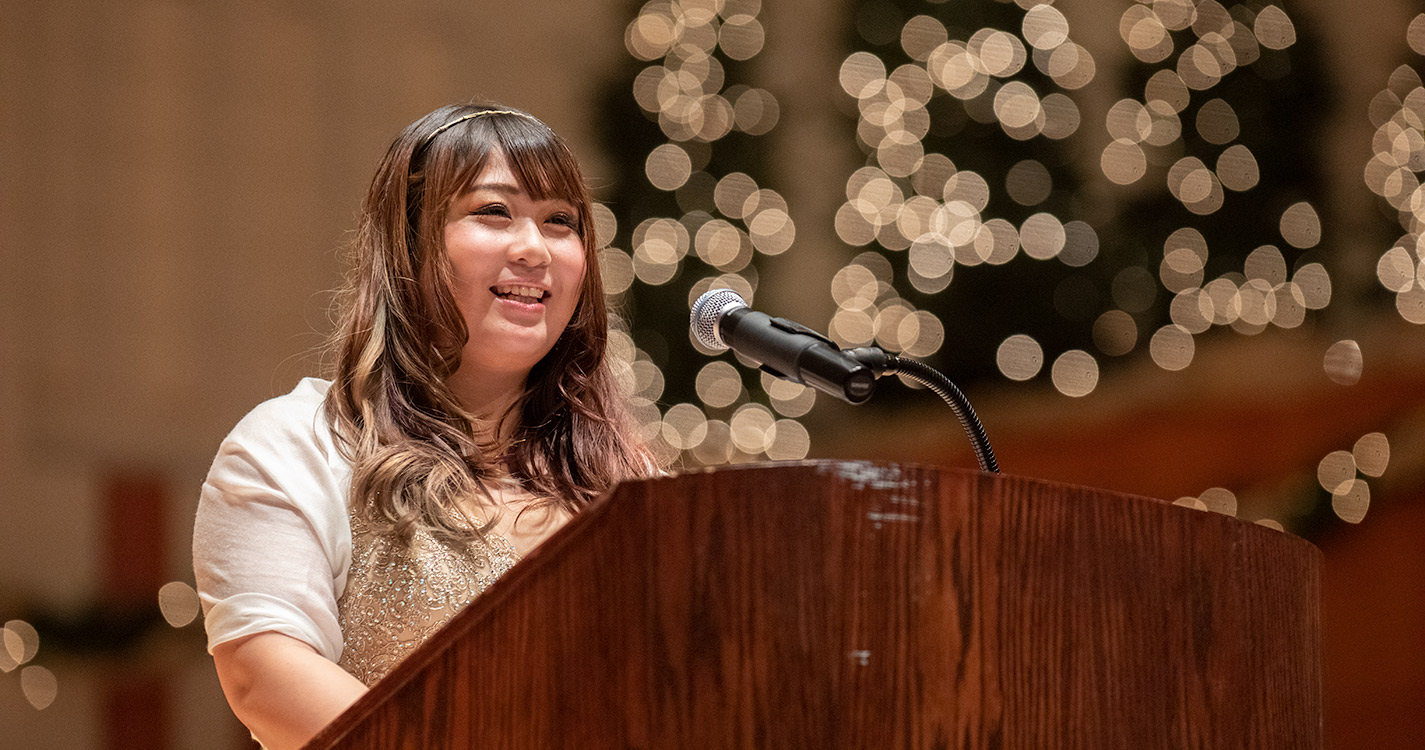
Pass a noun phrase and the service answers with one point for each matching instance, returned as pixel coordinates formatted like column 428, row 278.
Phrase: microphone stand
column 884, row 363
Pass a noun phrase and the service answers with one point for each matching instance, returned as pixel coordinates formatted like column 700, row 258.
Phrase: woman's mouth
column 526, row 295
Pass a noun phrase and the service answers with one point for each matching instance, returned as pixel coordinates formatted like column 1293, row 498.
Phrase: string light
column 922, row 219
column 727, row 219
column 1393, row 172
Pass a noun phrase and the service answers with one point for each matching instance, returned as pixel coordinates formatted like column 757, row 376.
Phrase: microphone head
column 708, row 310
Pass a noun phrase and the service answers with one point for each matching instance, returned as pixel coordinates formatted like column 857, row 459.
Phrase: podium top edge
column 881, row 472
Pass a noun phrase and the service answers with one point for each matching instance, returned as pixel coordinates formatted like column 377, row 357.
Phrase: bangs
column 541, row 163
column 544, row 166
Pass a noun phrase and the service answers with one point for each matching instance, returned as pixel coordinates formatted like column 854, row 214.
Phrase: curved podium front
column 865, row 605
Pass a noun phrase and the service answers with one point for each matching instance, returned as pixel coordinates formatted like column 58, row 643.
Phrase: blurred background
column 1168, row 248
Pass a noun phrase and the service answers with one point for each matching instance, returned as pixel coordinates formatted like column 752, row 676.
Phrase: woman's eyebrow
column 511, row 189
column 505, row 188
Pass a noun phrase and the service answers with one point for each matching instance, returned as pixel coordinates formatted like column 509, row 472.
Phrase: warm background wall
column 177, row 176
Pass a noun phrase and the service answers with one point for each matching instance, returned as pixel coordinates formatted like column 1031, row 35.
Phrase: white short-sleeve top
column 272, row 538
column 277, row 548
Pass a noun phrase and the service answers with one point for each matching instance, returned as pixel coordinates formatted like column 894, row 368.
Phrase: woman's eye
column 493, row 209
column 565, row 220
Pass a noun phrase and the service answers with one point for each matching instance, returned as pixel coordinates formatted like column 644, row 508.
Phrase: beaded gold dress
column 397, row 595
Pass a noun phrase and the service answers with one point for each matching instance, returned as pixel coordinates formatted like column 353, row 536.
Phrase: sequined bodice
column 398, row 596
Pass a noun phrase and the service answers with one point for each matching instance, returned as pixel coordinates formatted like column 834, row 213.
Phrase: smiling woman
column 470, row 413
column 518, row 264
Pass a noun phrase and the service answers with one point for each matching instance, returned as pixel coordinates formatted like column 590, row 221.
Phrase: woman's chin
column 511, row 358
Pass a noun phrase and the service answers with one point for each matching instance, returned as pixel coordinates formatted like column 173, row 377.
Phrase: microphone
column 721, row 319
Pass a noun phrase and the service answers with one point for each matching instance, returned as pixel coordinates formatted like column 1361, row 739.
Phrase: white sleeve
column 272, row 541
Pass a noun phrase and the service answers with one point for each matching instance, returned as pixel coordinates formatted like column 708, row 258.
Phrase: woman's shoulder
column 287, row 441
column 283, row 454
column 292, row 419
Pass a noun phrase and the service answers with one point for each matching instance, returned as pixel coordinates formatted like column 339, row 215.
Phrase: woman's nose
column 529, row 246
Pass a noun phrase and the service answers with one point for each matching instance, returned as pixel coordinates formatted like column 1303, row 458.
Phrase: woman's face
column 518, row 265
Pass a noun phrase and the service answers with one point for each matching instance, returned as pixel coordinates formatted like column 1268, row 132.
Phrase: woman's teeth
column 526, row 294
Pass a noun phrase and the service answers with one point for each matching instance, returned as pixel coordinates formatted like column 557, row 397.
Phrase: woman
column 471, row 412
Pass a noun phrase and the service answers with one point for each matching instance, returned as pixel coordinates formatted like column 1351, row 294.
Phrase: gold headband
column 481, row 113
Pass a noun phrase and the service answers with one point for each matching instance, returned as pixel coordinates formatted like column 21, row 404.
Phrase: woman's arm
column 281, row 688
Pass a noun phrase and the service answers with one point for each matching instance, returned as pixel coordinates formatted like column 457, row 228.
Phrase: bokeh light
column 1300, row 225
column 1134, row 289
column 668, row 167
column 921, row 36
column 926, row 229
column 788, row 399
column 1080, row 244
column 1172, row 347
column 178, row 602
column 1372, row 454
column 684, row 426
column 741, row 36
column 1045, row 28
column 1124, row 162
column 21, row 642
column 1115, row 333
column 716, row 447
column 1343, row 362
column 605, row 225
column 1335, row 470
column 753, row 428
column 1075, row 373
column 1190, row 502
column 1351, row 500
column 1273, row 28
column 1219, row 500
column 1217, row 122
column 790, row 441
column 1415, row 34
column 719, row 384
column 1029, row 183
column 1042, row 236
column 39, row 686
column 1237, row 168
column 1020, row 357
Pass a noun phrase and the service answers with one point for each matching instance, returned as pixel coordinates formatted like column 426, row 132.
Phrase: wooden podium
column 868, row 605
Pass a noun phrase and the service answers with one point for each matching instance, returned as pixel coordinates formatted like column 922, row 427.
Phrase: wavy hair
column 416, row 451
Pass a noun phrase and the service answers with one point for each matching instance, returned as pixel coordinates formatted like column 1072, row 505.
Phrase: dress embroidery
column 397, row 596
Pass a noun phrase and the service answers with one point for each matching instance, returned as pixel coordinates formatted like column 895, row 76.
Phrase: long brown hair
column 415, row 450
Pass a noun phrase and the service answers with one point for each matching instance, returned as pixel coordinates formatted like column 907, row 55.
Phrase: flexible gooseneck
column 883, row 363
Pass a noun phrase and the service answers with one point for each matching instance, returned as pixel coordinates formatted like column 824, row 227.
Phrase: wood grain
column 852, row 604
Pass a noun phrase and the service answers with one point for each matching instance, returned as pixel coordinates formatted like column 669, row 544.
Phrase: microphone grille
column 708, row 310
